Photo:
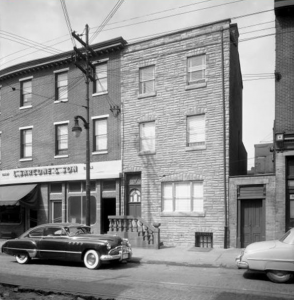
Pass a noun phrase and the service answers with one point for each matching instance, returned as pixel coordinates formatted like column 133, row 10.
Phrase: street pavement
column 185, row 256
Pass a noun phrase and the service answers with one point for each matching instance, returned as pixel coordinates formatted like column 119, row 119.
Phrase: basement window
column 204, row 239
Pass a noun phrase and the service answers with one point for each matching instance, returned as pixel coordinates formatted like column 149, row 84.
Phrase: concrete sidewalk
column 184, row 256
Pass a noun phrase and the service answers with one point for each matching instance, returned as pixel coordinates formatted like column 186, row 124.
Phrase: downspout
column 224, row 141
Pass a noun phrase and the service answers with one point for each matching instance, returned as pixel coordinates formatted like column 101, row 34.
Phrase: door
column 107, row 209
column 134, row 194
column 251, row 221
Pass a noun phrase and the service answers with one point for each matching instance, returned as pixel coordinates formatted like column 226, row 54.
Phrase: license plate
column 125, row 256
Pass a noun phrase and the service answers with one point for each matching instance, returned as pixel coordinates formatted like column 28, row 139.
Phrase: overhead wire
column 67, row 20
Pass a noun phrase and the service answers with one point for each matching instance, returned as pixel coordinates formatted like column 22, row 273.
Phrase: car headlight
column 108, row 246
column 126, row 242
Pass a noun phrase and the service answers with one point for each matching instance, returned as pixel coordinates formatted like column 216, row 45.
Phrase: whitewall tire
column 22, row 258
column 92, row 260
column 279, row 276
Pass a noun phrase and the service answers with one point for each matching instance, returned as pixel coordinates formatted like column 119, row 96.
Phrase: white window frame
column 53, row 202
column 193, row 196
column 96, row 91
column 143, row 82
column 199, row 68
column 22, row 129
column 197, row 134
column 22, row 81
column 56, row 124
column 144, row 139
column 57, row 73
column 94, row 120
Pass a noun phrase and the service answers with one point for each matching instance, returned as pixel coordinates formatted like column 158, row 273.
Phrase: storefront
column 56, row 194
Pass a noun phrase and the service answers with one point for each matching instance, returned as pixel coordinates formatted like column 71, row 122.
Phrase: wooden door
column 251, row 221
column 134, row 195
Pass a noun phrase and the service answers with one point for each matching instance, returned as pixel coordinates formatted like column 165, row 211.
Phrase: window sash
column 101, row 78
column 26, row 143
column 147, row 80
column 61, row 139
column 185, row 196
column 26, row 93
column 56, row 211
column 196, row 130
column 100, row 135
column 147, row 136
column 62, row 86
column 196, row 68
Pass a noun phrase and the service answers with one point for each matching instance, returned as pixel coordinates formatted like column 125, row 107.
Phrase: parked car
column 68, row 242
column 276, row 258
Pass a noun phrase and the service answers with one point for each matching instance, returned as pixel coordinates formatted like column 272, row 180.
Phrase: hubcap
column 91, row 259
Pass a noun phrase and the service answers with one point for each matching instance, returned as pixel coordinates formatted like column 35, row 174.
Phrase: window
column 196, row 69
column 78, row 186
column 61, row 142
column 36, row 232
column 10, row 214
column 147, row 137
column 26, row 93
column 26, row 143
column 196, row 130
column 147, row 80
column 61, row 86
column 56, row 188
column 186, row 196
column 77, row 209
column 100, row 85
column 56, row 207
column 100, row 135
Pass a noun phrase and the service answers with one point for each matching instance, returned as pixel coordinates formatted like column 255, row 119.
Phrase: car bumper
column 124, row 254
column 241, row 264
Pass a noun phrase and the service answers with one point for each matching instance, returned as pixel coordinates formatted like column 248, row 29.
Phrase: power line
column 65, row 13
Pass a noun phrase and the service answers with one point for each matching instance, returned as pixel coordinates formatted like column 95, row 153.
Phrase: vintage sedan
column 68, row 242
column 276, row 258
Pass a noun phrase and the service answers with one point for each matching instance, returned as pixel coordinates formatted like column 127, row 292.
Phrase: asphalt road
column 143, row 281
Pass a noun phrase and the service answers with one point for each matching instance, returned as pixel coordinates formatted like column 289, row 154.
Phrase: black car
column 68, row 242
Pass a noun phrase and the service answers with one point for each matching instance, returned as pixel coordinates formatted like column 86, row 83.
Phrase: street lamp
column 77, row 131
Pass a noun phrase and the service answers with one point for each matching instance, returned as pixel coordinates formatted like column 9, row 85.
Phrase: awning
column 25, row 195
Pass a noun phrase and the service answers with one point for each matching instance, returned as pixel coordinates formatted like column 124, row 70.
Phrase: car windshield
column 77, row 230
column 288, row 237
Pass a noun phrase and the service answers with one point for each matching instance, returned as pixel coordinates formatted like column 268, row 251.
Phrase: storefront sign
column 45, row 171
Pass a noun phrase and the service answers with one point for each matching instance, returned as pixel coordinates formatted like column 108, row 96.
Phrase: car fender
column 280, row 265
column 17, row 247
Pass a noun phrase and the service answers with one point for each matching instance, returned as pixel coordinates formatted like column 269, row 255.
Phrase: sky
column 25, row 24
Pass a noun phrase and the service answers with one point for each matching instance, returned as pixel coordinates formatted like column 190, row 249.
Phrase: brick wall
column 169, row 109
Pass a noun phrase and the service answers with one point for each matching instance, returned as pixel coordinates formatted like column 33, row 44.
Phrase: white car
column 276, row 258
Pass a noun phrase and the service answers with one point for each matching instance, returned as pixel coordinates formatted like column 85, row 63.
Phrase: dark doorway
column 251, row 221
column 107, row 209
column 33, row 218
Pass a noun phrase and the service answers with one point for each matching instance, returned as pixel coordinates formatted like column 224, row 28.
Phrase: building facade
column 182, row 132
column 42, row 170
column 284, row 115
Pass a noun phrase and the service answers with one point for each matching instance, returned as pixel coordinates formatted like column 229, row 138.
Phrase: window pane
column 100, row 135
column 74, row 209
column 147, row 80
column 56, row 212
column 56, row 187
column 101, row 78
column 198, row 196
column 196, row 68
column 74, row 186
column 92, row 186
column 92, row 210
column 109, row 185
column 147, row 73
column 10, row 214
column 196, row 130
column 147, row 136
column 62, row 80
column 167, row 194
column 26, row 143
column 26, row 92
column 183, row 196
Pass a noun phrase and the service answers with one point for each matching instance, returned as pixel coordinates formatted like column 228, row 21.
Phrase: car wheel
column 22, row 258
column 279, row 276
column 92, row 260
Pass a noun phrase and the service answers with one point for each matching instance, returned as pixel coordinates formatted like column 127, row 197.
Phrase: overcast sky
column 43, row 22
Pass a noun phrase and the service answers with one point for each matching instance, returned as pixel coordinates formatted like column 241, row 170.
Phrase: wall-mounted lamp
column 115, row 110
column 280, row 140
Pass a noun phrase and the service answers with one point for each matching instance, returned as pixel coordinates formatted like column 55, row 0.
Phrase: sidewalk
column 181, row 256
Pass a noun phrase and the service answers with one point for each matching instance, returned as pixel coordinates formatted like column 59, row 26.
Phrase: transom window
column 147, row 80
column 186, row 196
column 26, row 143
column 100, row 85
column 61, row 143
column 147, row 137
column 61, row 86
column 196, row 69
column 196, row 130
column 135, row 196
column 100, row 135
column 26, row 93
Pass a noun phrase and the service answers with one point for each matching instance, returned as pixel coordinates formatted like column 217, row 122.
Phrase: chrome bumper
column 241, row 264
column 124, row 254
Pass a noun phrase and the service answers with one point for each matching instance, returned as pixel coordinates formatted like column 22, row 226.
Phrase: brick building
column 182, row 131
column 42, row 170
column 284, row 115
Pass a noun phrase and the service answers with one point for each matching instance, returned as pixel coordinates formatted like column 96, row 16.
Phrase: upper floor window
column 147, row 137
column 61, row 86
column 100, row 135
column 147, row 80
column 26, row 93
column 100, row 85
column 196, row 69
column 185, row 196
column 196, row 130
column 26, row 136
column 61, row 140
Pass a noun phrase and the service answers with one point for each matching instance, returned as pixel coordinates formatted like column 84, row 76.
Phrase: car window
column 288, row 237
column 77, row 230
column 54, row 231
column 38, row 232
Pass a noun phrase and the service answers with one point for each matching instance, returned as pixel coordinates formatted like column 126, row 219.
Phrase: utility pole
column 88, row 69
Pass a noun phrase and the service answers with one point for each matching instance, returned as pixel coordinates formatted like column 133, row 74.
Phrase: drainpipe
column 224, row 142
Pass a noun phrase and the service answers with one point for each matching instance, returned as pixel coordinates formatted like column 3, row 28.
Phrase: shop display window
column 10, row 214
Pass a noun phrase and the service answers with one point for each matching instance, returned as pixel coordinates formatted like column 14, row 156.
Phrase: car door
column 53, row 244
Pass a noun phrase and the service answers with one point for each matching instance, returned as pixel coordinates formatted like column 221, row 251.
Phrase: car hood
column 260, row 246
column 111, row 239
